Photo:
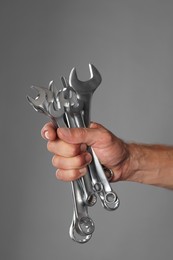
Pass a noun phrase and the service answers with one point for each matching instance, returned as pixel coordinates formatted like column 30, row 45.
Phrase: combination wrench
column 81, row 101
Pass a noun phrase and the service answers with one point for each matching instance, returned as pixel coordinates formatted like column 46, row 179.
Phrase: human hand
column 69, row 146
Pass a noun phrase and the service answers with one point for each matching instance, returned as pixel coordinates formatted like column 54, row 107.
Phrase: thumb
column 79, row 135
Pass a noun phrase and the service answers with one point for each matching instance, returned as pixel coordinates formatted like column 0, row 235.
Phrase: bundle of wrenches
column 70, row 107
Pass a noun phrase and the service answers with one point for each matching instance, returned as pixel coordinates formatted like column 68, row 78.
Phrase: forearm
column 151, row 164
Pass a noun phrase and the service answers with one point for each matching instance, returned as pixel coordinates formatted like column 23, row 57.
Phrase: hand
column 69, row 146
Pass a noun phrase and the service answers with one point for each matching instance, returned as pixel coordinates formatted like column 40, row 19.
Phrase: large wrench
column 84, row 91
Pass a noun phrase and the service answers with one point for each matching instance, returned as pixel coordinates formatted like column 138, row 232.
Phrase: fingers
column 69, row 146
column 72, row 163
column 48, row 132
column 70, row 175
column 64, row 149
column 70, row 160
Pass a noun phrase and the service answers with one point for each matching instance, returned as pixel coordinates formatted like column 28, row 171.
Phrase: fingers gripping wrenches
column 70, row 107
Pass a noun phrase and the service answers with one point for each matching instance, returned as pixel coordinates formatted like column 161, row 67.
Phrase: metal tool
column 85, row 89
column 82, row 225
column 64, row 97
column 79, row 103
column 101, row 186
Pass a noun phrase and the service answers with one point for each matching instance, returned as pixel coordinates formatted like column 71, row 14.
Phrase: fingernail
column 83, row 147
column 58, row 174
column 88, row 158
column 46, row 134
column 83, row 171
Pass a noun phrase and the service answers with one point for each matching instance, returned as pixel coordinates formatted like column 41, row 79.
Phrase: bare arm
column 151, row 164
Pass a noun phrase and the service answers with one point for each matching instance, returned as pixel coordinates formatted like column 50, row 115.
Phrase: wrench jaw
column 82, row 86
column 53, row 89
column 31, row 101
column 85, row 89
column 42, row 100
column 39, row 102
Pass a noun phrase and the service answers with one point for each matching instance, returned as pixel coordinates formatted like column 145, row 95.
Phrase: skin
column 147, row 164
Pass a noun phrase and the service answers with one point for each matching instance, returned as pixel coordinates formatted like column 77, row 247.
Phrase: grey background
column 131, row 43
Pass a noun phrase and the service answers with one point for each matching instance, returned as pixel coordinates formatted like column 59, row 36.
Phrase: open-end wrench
column 43, row 98
column 85, row 89
column 44, row 101
column 84, row 92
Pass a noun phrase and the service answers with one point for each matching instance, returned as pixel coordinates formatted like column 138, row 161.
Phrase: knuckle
column 83, row 132
column 74, row 150
column 67, row 175
column 55, row 161
column 72, row 175
column 49, row 146
column 80, row 161
column 79, row 133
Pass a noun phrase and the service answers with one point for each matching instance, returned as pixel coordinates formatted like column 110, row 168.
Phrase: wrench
column 84, row 94
column 85, row 89
column 81, row 223
column 89, row 195
column 82, row 226
column 42, row 102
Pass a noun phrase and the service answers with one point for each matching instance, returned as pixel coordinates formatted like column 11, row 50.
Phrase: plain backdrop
column 131, row 44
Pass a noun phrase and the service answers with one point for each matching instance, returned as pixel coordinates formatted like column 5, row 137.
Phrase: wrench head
column 53, row 89
column 85, row 86
column 69, row 100
column 38, row 102
column 55, row 108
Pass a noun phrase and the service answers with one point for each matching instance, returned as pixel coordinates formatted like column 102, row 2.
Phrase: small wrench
column 82, row 225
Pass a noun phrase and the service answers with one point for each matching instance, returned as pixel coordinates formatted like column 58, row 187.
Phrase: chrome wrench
column 82, row 225
column 84, row 92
